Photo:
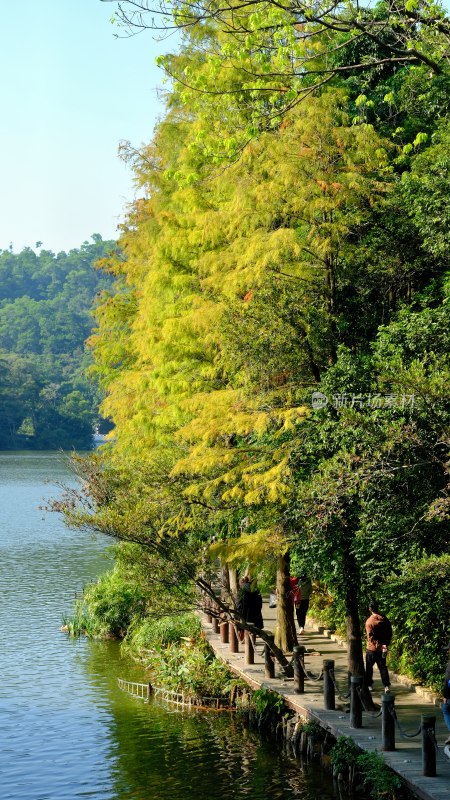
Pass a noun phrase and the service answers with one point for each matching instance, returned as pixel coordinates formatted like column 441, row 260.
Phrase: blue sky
column 70, row 91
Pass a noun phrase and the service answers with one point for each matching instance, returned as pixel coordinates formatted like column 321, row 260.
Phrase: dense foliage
column 172, row 648
column 278, row 372
column 367, row 769
column 46, row 398
column 192, row 668
column 108, row 607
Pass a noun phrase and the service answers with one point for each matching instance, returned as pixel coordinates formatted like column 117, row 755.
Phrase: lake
column 66, row 730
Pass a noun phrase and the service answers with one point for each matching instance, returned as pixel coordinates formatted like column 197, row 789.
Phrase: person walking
column 295, row 594
column 242, row 601
column 250, row 603
column 379, row 635
column 252, row 606
column 446, row 695
column 305, row 587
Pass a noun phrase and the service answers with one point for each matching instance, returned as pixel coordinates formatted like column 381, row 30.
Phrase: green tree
column 257, row 61
column 302, row 266
column 45, row 317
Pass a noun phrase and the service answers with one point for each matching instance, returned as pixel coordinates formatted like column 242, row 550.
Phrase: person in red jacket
column 296, row 597
column 379, row 635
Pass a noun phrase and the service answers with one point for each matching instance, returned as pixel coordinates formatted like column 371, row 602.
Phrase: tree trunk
column 225, row 580
column 355, row 657
column 285, row 634
column 233, row 582
column 232, row 614
column 354, row 643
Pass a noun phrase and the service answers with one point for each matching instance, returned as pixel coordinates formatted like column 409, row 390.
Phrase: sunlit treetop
column 278, row 42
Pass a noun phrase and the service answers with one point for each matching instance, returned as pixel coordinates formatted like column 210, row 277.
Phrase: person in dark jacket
column 249, row 604
column 295, row 593
column 252, row 606
column 305, row 586
column 446, row 694
column 379, row 635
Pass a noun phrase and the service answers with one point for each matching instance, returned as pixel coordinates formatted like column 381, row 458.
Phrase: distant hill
column 46, row 400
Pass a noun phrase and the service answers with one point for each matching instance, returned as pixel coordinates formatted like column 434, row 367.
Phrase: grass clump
column 149, row 633
column 174, row 650
column 107, row 608
column 367, row 769
column 382, row 782
column 172, row 647
column 193, row 669
column 269, row 705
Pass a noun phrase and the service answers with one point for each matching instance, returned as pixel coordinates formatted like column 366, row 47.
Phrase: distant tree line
column 46, row 398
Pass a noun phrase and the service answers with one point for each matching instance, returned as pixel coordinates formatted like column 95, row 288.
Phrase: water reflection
column 187, row 754
column 66, row 730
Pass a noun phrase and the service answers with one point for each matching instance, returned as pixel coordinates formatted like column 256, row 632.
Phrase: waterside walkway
column 406, row 760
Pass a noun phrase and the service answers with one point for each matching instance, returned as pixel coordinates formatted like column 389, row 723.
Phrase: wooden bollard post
column 234, row 642
column 249, row 648
column 387, row 723
column 329, row 701
column 355, row 701
column 299, row 673
column 215, row 620
column 427, row 726
column 224, row 632
column 269, row 664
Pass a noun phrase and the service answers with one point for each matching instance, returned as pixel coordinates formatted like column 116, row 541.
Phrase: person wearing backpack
column 379, row 635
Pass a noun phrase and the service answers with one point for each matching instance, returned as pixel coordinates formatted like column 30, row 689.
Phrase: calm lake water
column 66, row 730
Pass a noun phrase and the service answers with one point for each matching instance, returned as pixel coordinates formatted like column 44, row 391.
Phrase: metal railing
column 140, row 690
column 144, row 691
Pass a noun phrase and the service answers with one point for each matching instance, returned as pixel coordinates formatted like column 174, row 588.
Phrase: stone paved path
column 407, row 758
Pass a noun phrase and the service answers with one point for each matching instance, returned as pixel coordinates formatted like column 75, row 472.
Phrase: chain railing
column 310, row 675
column 356, row 697
column 402, row 732
column 343, row 697
column 439, row 751
column 370, row 711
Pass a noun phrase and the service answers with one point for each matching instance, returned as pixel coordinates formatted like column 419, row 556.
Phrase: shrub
column 328, row 609
column 314, row 730
column 344, row 754
column 191, row 668
column 268, row 704
column 153, row 633
column 107, row 608
column 370, row 768
column 417, row 603
column 381, row 781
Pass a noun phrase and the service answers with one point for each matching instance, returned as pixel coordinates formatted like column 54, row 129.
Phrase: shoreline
column 405, row 760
